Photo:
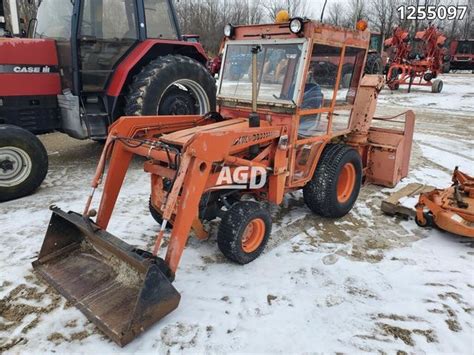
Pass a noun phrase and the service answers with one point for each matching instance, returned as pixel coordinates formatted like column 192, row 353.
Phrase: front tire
column 23, row 162
column 244, row 231
column 172, row 85
column 336, row 182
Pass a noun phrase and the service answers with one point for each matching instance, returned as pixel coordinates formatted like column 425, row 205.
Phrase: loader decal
column 242, row 177
column 254, row 137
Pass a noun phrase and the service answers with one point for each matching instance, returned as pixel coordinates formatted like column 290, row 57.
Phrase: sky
column 316, row 7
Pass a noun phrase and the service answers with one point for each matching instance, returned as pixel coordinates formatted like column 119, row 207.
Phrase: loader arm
column 119, row 149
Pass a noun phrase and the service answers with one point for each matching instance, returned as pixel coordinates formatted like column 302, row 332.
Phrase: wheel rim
column 346, row 182
column 188, row 89
column 15, row 166
column 253, row 235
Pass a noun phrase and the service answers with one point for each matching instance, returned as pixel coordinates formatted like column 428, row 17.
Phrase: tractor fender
column 146, row 51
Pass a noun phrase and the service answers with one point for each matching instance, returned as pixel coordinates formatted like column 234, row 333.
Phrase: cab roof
column 317, row 31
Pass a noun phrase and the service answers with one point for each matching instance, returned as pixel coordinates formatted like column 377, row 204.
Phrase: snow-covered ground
column 364, row 283
column 457, row 95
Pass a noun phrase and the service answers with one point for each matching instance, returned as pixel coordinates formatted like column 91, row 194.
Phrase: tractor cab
column 377, row 57
column 375, row 42
column 312, row 73
column 462, row 55
column 93, row 36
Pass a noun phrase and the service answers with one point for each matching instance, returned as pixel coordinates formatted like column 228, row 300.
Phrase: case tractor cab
column 283, row 125
column 88, row 63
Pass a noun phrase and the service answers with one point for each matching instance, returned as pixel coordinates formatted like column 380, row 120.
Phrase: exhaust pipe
column 254, row 118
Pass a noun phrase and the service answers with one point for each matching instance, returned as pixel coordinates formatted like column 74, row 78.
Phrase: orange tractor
column 279, row 128
column 417, row 63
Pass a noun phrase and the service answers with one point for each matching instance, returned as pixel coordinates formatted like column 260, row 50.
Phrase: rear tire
column 172, row 85
column 23, row 162
column 374, row 64
column 244, row 231
column 336, row 182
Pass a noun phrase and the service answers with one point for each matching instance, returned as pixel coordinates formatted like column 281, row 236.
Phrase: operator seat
column 313, row 99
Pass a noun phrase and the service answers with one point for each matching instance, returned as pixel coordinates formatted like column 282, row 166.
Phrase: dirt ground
column 366, row 282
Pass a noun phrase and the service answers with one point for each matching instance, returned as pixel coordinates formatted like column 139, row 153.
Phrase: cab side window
column 319, row 89
column 109, row 19
column 159, row 20
column 108, row 30
column 322, row 76
column 350, row 75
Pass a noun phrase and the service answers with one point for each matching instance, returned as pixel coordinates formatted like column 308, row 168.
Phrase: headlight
column 296, row 25
column 228, row 30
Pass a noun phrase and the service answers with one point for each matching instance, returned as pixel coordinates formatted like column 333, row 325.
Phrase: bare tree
column 335, row 14
column 382, row 15
column 294, row 7
column 356, row 10
column 207, row 18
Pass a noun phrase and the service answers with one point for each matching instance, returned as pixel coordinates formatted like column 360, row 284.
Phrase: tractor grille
column 37, row 114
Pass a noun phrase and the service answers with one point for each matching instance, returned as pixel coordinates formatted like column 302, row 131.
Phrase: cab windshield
column 278, row 66
column 54, row 19
column 465, row 48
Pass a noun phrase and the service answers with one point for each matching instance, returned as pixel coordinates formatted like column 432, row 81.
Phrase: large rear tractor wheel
column 172, row 85
column 244, row 231
column 374, row 64
column 23, row 162
column 335, row 185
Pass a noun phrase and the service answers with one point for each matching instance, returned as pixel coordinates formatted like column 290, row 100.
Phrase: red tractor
column 462, row 55
column 418, row 62
column 87, row 63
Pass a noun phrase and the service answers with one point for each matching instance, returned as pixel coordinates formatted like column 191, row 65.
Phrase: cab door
column 108, row 29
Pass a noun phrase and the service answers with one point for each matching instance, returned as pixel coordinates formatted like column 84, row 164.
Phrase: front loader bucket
column 118, row 289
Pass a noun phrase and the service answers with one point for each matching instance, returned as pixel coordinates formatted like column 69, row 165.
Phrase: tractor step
column 119, row 289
